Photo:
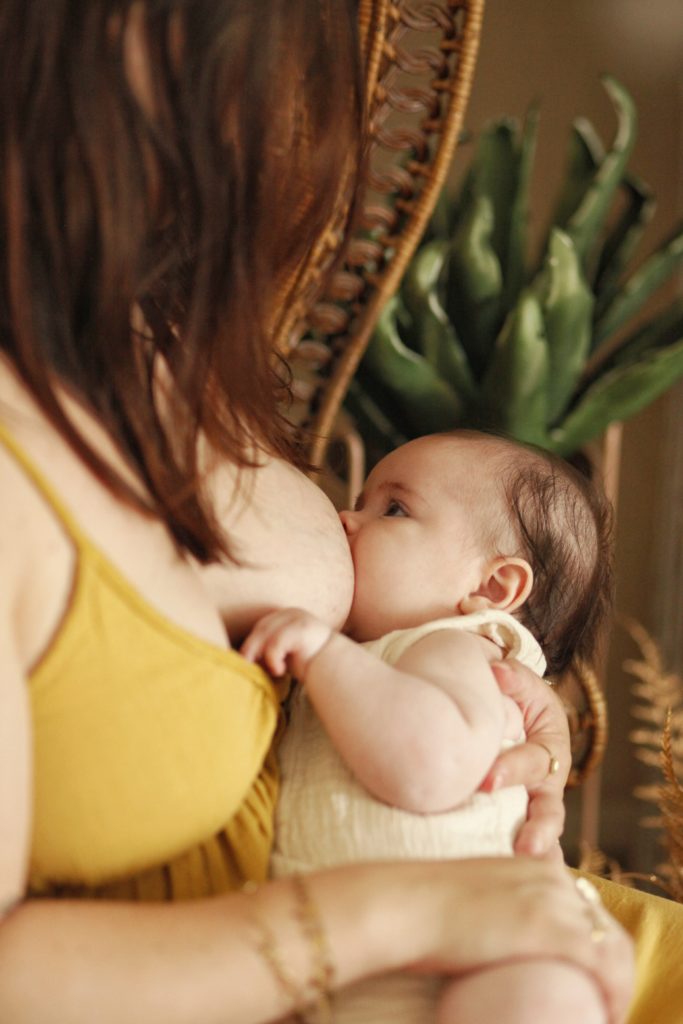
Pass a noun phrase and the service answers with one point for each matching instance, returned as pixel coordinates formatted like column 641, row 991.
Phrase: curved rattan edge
column 594, row 721
column 372, row 20
column 336, row 386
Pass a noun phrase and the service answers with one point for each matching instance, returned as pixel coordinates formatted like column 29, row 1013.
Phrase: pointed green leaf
column 622, row 241
column 661, row 331
column 427, row 403
column 646, row 280
column 586, row 153
column 618, row 395
column 587, row 221
column 496, row 170
column 514, row 390
column 473, row 283
column 567, row 308
column 441, row 347
column 431, row 332
column 423, row 274
column 462, row 201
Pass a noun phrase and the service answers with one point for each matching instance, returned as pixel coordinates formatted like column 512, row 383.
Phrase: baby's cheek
column 368, row 618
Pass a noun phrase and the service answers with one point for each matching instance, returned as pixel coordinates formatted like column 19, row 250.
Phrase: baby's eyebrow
column 398, row 488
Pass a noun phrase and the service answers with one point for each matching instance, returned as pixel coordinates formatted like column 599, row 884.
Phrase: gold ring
column 591, row 898
column 553, row 763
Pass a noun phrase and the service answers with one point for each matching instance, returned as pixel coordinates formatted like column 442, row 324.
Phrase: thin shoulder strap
column 42, row 485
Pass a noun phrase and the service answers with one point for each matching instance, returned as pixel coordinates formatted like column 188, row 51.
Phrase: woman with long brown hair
column 166, row 168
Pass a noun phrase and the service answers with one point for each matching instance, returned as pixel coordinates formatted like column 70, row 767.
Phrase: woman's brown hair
column 178, row 157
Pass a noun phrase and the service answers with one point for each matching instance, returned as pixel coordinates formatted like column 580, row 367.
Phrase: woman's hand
column 521, row 908
column 541, row 764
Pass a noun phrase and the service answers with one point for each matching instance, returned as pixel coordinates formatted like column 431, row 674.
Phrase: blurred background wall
column 554, row 53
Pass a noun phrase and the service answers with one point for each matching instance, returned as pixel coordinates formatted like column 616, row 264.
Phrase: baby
column 467, row 549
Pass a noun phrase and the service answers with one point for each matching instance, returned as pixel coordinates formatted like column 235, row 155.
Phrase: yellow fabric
column 153, row 777
column 657, row 927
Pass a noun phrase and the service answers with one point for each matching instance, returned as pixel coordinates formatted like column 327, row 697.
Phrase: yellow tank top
column 153, row 771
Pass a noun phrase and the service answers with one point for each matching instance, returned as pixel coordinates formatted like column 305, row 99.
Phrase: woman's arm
column 74, row 963
column 419, row 735
column 15, row 776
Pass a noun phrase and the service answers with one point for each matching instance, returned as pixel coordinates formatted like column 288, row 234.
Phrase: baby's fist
column 286, row 640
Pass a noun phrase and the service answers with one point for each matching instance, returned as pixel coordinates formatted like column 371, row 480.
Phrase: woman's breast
column 146, row 739
column 291, row 545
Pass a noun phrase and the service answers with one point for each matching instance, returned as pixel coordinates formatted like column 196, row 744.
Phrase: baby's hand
column 286, row 640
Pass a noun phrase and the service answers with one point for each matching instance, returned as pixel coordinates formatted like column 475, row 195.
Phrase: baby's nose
column 349, row 521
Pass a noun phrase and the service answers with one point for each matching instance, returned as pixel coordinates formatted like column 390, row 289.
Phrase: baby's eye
column 394, row 508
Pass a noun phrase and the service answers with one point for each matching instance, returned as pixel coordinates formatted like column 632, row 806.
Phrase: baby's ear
column 506, row 584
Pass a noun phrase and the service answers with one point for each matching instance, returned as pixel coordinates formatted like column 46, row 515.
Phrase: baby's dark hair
column 563, row 526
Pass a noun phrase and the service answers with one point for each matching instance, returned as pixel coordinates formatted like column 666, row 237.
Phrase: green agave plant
column 476, row 336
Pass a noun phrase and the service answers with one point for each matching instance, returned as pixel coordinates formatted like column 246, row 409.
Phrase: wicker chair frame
column 419, row 60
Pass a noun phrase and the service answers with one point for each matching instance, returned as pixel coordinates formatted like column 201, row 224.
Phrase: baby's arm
column 421, row 734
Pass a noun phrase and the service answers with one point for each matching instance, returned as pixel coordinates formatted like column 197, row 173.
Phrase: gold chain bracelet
column 322, row 975
column 309, row 1000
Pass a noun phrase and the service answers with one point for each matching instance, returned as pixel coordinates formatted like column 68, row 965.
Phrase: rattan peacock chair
column 419, row 58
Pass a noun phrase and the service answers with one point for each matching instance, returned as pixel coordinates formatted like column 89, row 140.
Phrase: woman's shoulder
column 36, row 556
column 65, row 514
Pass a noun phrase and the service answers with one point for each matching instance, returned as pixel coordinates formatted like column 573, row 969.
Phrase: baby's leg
column 522, row 993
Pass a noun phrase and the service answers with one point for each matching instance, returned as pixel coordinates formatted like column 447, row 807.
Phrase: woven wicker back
column 419, row 60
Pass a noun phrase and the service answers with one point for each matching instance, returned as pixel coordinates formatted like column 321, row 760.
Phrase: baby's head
column 460, row 522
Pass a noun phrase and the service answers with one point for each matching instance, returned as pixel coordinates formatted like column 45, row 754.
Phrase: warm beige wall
column 554, row 51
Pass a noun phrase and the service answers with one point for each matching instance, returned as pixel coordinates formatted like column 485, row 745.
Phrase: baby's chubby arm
column 420, row 735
